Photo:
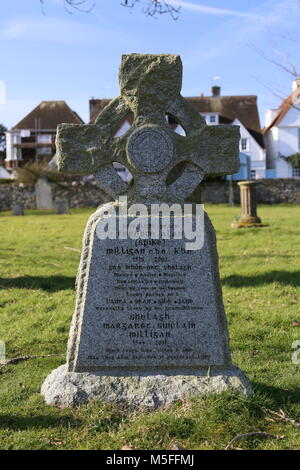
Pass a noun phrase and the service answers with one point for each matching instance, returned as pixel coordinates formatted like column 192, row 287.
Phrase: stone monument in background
column 17, row 208
column 149, row 325
column 43, row 194
column 249, row 217
column 61, row 206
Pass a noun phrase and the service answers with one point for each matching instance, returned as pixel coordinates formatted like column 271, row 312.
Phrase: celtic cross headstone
column 149, row 325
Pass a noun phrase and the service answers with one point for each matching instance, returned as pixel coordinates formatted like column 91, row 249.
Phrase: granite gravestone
column 17, row 208
column 149, row 325
column 61, row 206
column 43, row 194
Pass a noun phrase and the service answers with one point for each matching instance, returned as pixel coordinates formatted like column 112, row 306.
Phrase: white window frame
column 44, row 139
column 295, row 172
column 246, row 140
column 25, row 133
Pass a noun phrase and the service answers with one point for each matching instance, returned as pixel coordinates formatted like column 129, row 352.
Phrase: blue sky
column 54, row 56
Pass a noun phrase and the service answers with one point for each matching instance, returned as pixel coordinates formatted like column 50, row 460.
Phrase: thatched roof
column 47, row 115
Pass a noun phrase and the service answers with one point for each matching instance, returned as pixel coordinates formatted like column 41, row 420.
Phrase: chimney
column 270, row 116
column 95, row 107
column 296, row 84
column 216, row 91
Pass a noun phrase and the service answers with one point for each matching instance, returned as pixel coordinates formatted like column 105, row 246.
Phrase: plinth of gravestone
column 149, row 325
column 249, row 217
column 61, row 206
column 43, row 194
column 17, row 208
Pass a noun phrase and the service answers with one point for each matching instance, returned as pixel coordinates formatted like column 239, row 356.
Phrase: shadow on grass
column 21, row 423
column 47, row 283
column 282, row 277
column 279, row 396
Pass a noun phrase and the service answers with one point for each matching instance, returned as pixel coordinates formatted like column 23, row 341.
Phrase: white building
column 218, row 109
column 33, row 138
column 282, row 134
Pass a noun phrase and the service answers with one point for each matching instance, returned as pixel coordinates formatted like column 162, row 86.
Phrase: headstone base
column 65, row 389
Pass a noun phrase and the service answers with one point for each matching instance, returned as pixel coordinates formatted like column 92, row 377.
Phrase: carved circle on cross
column 150, row 149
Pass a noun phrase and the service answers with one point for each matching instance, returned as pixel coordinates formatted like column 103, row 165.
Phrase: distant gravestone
column 17, row 208
column 149, row 325
column 61, row 206
column 43, row 194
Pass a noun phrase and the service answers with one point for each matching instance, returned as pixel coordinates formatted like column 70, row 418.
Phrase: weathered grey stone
column 149, row 390
column 150, row 88
column 87, row 194
column 147, row 313
column 149, row 322
column 61, row 206
column 249, row 216
column 43, row 194
column 17, row 208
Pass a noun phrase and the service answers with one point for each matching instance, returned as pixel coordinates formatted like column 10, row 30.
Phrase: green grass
column 260, row 276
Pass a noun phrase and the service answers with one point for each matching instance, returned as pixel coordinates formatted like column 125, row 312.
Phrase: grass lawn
column 260, row 274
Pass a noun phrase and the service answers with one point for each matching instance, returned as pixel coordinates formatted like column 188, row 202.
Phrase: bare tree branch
column 155, row 8
column 152, row 8
column 16, row 360
column 290, row 38
column 280, row 415
column 287, row 67
column 278, row 94
column 249, row 434
column 84, row 6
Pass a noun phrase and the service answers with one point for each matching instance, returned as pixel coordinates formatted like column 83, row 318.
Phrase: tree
column 2, row 142
column 150, row 7
column 280, row 58
column 281, row 61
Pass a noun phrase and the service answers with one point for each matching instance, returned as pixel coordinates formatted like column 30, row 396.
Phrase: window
column 244, row 144
column 25, row 133
column 212, row 119
column 253, row 174
column 44, row 139
column 295, row 171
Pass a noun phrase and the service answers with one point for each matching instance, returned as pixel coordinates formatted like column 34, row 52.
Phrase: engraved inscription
column 145, row 308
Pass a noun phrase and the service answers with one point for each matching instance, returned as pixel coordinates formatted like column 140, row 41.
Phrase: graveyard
column 150, row 248
column 260, row 280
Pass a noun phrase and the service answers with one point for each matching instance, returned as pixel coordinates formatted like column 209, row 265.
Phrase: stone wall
column 269, row 191
column 10, row 193
column 279, row 190
column 78, row 194
column 89, row 195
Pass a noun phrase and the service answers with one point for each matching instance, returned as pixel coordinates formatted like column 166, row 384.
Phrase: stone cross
column 150, row 89
column 149, row 326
